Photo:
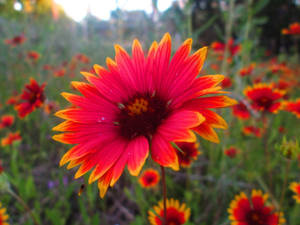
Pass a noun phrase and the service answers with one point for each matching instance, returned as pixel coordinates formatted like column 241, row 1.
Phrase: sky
column 77, row 9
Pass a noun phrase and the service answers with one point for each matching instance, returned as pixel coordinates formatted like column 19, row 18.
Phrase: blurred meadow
column 255, row 44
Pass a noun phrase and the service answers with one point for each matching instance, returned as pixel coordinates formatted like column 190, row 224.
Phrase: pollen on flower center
column 139, row 106
column 141, row 115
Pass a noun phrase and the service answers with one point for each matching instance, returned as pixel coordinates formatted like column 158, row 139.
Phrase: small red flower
column 149, row 178
column 246, row 71
column 17, row 40
column 31, row 98
column 231, row 152
column 294, row 29
column 293, row 107
column 226, row 83
column 281, row 129
column 1, row 171
column 251, row 130
column 188, row 152
column 47, row 67
column 13, row 100
column 10, row 139
column 82, row 58
column 6, row 121
column 264, row 97
column 177, row 214
column 253, row 210
column 295, row 187
column 60, row 72
column 219, row 47
column 33, row 55
column 241, row 111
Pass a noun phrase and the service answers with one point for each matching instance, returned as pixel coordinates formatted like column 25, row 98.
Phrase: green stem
column 164, row 190
column 21, row 201
column 286, row 174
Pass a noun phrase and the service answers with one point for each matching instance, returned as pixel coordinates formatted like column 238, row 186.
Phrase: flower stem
column 21, row 201
column 286, row 174
column 164, row 189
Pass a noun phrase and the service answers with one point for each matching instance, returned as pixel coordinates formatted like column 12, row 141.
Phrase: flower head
column 59, row 72
column 31, row 98
column 15, row 41
column 10, row 139
column 149, row 178
column 6, row 121
column 264, row 97
column 253, row 210
column 251, row 130
column 188, row 152
column 137, row 101
column 294, row 29
column 295, row 187
column 226, row 83
column 241, row 111
column 231, row 152
column 293, row 107
column 220, row 47
column 33, row 55
column 246, row 71
column 177, row 213
column 3, row 216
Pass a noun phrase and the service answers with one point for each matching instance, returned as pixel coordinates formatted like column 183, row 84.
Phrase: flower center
column 141, row 115
column 256, row 218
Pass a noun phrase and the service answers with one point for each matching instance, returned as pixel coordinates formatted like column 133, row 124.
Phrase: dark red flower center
column 264, row 102
column 255, row 217
column 141, row 115
column 149, row 179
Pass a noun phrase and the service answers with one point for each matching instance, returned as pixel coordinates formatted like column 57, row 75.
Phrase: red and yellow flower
column 137, row 101
column 231, row 152
column 149, row 178
column 295, row 187
column 241, row 111
column 251, row 130
column 264, row 97
column 3, row 216
column 226, row 82
column 31, row 98
column 15, row 41
column 187, row 153
column 293, row 107
column 253, row 210
column 33, row 55
column 293, row 29
column 10, row 139
column 219, row 47
column 177, row 214
column 6, row 121
column 246, row 71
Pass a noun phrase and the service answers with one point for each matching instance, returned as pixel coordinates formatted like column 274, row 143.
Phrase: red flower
column 294, row 29
column 251, row 130
column 82, row 58
column 253, row 211
column 241, row 111
column 176, row 214
column 226, row 83
column 10, row 139
column 31, row 98
column 13, row 100
column 137, row 101
column 219, row 47
column 188, row 152
column 293, row 107
column 3, row 216
column 17, row 40
column 47, row 67
column 60, row 72
column 6, row 121
column 281, row 129
column 33, row 55
column 149, row 178
column 295, row 187
column 231, row 152
column 246, row 71
column 264, row 97
column 1, row 169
